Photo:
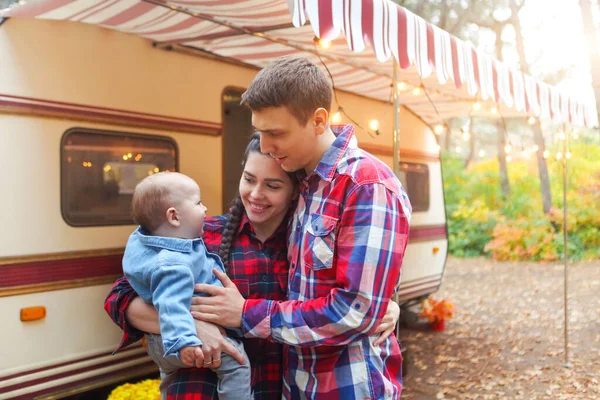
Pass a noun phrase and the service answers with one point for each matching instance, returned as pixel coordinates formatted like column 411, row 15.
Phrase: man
column 347, row 240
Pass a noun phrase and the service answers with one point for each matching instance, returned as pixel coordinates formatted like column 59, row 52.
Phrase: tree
column 591, row 38
column 538, row 136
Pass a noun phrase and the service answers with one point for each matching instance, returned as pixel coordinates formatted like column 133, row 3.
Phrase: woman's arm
column 142, row 316
column 116, row 304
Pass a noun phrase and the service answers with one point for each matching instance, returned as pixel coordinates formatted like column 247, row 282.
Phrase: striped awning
column 441, row 77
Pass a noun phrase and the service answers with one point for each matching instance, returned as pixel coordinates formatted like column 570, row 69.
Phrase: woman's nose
column 256, row 192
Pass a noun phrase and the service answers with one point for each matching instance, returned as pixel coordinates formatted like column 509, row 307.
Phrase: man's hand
column 225, row 305
column 388, row 323
column 213, row 344
column 189, row 355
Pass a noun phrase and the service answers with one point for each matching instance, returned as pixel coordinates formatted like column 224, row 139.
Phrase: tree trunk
column 537, row 130
column 593, row 47
column 448, row 139
column 471, row 154
column 504, row 183
column 542, row 168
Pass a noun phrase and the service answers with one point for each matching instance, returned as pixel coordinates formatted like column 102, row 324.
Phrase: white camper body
column 84, row 112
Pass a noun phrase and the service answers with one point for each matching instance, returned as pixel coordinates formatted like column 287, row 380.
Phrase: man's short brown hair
column 292, row 82
column 151, row 199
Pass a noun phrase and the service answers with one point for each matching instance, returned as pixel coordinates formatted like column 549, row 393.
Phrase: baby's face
column 190, row 210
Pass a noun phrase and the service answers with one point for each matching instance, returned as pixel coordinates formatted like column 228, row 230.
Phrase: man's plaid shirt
column 346, row 246
column 259, row 270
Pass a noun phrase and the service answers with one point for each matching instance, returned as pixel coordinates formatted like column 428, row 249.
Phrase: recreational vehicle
column 85, row 113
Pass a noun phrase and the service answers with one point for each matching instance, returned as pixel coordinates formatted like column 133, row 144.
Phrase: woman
column 252, row 242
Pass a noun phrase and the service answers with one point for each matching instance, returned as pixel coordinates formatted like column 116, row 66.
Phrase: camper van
column 85, row 113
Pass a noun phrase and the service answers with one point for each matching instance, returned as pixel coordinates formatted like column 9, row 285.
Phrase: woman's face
column 266, row 191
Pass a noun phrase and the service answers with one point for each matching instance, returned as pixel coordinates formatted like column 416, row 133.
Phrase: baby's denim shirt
column 163, row 271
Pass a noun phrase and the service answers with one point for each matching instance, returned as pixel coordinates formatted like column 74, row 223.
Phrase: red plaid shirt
column 260, row 271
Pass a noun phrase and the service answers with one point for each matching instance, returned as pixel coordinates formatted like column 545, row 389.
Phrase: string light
column 559, row 155
column 466, row 136
column 546, row 154
column 417, row 90
column 336, row 118
column 458, row 149
column 477, row 106
column 568, row 155
column 508, row 158
column 438, row 147
column 531, row 120
column 439, row 129
column 562, row 135
column 374, row 125
column 481, row 153
column 535, row 148
column 507, row 148
column 323, row 43
column 402, row 86
column 494, row 110
column 575, row 133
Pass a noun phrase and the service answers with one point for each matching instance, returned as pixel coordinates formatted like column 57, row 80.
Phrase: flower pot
column 438, row 325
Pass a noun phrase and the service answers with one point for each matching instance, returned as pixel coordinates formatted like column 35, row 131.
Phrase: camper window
column 99, row 170
column 415, row 179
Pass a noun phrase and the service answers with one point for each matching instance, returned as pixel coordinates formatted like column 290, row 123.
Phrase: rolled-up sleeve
column 120, row 296
column 369, row 248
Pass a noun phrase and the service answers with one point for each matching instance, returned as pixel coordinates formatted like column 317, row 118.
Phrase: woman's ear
column 172, row 217
column 321, row 120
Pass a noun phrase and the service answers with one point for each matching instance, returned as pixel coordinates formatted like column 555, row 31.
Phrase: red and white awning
column 366, row 36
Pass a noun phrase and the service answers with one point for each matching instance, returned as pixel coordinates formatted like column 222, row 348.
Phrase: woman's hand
column 213, row 343
column 388, row 323
column 225, row 305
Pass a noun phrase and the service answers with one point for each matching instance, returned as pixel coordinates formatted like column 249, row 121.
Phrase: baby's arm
column 172, row 289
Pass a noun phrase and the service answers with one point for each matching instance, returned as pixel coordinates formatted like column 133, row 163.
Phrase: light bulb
column 374, row 125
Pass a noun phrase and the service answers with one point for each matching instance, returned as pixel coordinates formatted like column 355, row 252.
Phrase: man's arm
column 369, row 249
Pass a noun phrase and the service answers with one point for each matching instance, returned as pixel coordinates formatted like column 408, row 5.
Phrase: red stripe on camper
column 75, row 383
column 59, row 270
column 418, row 233
column 64, row 364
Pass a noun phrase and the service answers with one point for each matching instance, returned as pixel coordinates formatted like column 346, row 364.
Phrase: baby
column 163, row 260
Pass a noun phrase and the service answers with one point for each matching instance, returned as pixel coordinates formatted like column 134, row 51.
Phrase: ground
column 506, row 340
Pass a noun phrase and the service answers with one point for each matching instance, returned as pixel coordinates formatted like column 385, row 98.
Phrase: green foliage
column 481, row 221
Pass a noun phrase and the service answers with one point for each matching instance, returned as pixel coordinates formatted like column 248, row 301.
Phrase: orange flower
column 435, row 310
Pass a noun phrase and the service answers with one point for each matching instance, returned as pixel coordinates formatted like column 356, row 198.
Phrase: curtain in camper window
column 99, row 170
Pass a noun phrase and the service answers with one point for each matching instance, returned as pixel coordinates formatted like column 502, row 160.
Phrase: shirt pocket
column 319, row 244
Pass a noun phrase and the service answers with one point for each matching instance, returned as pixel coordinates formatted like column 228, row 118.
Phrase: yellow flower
column 144, row 390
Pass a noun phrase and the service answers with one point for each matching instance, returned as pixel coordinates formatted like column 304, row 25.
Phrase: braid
column 229, row 232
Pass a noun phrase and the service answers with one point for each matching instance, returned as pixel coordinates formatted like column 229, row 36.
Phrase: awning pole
column 565, row 250
column 396, row 161
column 396, row 119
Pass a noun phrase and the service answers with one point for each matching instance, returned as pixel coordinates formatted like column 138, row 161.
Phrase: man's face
column 291, row 145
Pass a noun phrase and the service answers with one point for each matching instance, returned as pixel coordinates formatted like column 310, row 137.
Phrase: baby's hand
column 189, row 354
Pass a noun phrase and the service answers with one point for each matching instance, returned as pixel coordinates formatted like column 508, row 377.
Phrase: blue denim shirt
column 163, row 271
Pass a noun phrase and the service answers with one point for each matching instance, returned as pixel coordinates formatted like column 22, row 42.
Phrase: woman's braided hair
column 237, row 209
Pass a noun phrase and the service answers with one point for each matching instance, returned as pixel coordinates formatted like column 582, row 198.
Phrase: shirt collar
column 168, row 243
column 344, row 139
column 281, row 230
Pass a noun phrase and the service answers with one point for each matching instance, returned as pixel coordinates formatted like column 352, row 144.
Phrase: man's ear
column 172, row 217
column 321, row 120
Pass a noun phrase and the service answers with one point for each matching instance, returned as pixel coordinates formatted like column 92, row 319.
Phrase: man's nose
column 266, row 147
